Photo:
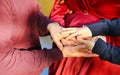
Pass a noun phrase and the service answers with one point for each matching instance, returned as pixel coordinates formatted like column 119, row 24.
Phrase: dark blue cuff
column 100, row 48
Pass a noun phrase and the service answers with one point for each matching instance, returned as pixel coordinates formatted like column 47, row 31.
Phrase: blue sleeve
column 106, row 27
column 107, row 52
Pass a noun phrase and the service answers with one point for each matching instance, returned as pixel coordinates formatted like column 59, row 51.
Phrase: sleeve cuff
column 100, row 48
column 54, row 54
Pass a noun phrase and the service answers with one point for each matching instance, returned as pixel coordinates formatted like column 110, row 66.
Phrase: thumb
column 59, row 45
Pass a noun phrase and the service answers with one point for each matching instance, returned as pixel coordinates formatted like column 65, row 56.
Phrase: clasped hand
column 70, row 45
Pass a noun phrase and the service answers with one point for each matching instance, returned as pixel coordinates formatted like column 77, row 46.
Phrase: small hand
column 77, row 51
column 89, row 43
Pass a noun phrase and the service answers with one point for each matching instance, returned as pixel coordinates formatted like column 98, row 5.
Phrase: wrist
column 87, row 31
column 94, row 40
column 51, row 25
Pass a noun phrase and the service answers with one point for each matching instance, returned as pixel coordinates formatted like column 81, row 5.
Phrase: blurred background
column 46, row 6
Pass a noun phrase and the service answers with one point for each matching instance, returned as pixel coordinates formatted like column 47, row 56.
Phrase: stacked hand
column 77, row 51
column 55, row 30
column 82, row 32
column 68, row 41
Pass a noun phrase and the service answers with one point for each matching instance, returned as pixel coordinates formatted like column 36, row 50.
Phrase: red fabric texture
column 85, row 12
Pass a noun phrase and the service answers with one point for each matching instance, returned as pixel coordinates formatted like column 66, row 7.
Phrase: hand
column 55, row 30
column 89, row 43
column 83, row 32
column 77, row 51
column 67, row 42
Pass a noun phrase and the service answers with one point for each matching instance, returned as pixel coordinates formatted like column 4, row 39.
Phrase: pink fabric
column 96, row 9
column 21, row 24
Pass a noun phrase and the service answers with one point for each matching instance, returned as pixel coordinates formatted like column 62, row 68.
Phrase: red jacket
column 75, row 13
column 21, row 24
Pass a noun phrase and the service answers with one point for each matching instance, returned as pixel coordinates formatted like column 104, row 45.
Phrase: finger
column 58, row 43
column 75, row 40
column 68, row 42
column 79, row 47
column 88, row 38
column 68, row 32
column 84, row 36
column 83, row 54
column 85, row 50
column 72, row 35
column 90, row 55
column 87, row 55
column 81, row 40
column 67, row 29
column 64, row 35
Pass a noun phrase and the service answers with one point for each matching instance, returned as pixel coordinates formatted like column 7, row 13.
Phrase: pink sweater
column 21, row 24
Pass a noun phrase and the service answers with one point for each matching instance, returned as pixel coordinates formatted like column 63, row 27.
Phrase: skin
column 72, row 46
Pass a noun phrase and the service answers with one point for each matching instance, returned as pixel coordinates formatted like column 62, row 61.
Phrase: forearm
column 106, row 27
column 106, row 51
column 28, row 61
column 43, row 23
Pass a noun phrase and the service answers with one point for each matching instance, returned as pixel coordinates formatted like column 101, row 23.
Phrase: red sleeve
column 58, row 12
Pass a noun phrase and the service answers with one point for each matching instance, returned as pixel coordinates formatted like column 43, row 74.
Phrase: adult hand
column 55, row 31
column 77, row 51
column 83, row 32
